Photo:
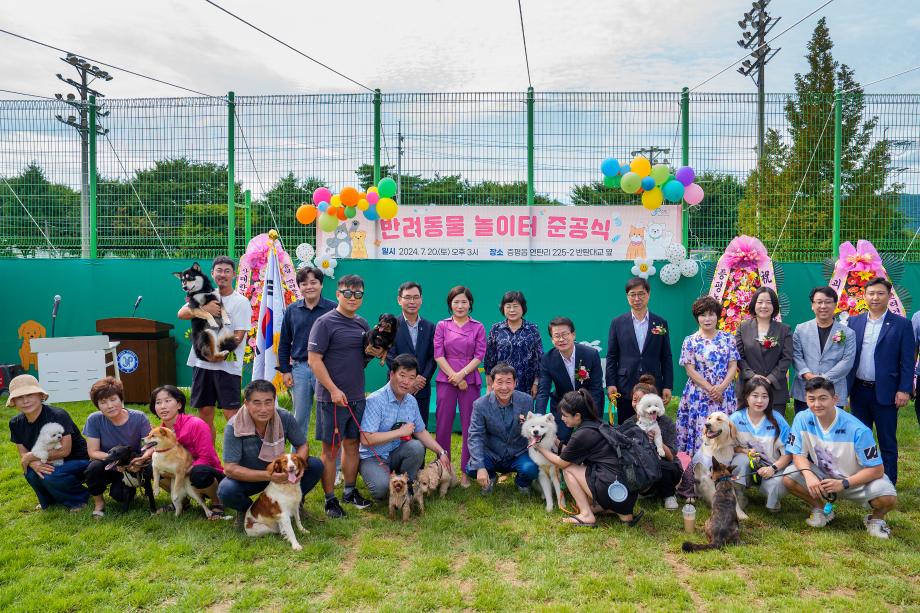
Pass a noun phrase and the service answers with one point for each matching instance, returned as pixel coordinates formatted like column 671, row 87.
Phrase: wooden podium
column 146, row 354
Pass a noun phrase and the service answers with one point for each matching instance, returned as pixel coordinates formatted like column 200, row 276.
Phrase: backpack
column 637, row 456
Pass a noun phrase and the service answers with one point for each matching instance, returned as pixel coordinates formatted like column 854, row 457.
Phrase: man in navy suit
column 566, row 367
column 415, row 336
column 882, row 375
column 638, row 343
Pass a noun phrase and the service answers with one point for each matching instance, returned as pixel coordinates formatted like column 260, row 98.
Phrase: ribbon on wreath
column 863, row 258
column 743, row 253
column 253, row 262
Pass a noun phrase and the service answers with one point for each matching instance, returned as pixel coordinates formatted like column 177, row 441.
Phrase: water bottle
column 689, row 512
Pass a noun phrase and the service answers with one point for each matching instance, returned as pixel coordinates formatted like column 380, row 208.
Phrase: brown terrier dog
column 403, row 494
column 722, row 527
column 436, row 477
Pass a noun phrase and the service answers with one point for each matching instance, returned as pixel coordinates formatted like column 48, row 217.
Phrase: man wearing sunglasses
column 337, row 356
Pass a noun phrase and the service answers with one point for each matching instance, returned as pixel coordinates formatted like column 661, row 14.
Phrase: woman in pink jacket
column 459, row 347
column 168, row 403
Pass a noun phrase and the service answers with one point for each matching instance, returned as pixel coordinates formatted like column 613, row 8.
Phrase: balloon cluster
column 655, row 183
column 329, row 209
column 678, row 265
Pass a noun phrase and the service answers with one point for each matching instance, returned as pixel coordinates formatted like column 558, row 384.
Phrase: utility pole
column 87, row 74
column 652, row 154
column 760, row 24
column 399, row 154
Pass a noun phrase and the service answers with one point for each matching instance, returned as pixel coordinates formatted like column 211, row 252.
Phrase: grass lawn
column 502, row 552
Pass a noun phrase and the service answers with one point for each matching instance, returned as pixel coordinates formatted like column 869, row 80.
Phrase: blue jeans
column 524, row 468
column 302, row 394
column 238, row 495
column 63, row 486
column 864, row 406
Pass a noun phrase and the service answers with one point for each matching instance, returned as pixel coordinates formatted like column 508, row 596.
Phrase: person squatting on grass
column 112, row 425
column 834, row 456
column 59, row 479
column 589, row 463
column 393, row 435
column 496, row 444
column 253, row 438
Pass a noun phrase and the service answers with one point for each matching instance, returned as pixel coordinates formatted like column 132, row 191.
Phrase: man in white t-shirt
column 219, row 381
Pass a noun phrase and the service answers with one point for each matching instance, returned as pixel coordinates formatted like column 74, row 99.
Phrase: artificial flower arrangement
column 744, row 268
column 855, row 267
column 581, row 373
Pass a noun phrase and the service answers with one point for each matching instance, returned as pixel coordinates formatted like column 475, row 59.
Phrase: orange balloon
column 349, row 196
column 340, row 213
column 306, row 213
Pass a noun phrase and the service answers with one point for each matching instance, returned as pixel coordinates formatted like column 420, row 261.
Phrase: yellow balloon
column 640, row 165
column 652, row 199
column 337, row 200
column 387, row 208
column 372, row 189
column 363, row 204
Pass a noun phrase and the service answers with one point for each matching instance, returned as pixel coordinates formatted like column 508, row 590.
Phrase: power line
column 281, row 42
column 765, row 44
column 19, row 200
column 524, row 38
column 113, row 66
column 886, row 78
column 10, row 91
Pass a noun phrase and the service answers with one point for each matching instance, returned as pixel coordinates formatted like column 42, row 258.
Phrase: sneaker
column 339, row 478
column 670, row 503
column 775, row 509
column 334, row 509
column 488, row 489
column 818, row 519
column 238, row 520
column 356, row 499
column 878, row 528
column 525, row 490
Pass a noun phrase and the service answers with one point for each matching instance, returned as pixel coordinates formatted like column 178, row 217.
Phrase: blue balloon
column 624, row 168
column 673, row 190
column 322, row 206
column 648, row 183
column 371, row 213
column 610, row 167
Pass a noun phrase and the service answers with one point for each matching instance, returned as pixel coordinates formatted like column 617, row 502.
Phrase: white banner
column 508, row 233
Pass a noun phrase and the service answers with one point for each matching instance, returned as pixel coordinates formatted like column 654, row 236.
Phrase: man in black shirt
column 62, row 484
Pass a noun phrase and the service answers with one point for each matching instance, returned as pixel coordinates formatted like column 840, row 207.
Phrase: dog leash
column 335, row 421
column 612, row 416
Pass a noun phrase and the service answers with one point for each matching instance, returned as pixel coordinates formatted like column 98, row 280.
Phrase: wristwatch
column 775, row 469
column 846, row 483
column 443, row 453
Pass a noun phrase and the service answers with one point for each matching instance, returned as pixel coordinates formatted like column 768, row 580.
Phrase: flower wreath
column 744, row 268
column 855, row 267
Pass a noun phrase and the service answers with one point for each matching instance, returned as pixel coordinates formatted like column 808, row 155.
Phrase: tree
column 30, row 205
column 799, row 167
column 279, row 206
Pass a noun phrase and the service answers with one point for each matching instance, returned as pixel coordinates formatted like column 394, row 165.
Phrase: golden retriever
column 720, row 437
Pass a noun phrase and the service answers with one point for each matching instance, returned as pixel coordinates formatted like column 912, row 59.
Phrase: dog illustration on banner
column 358, row 246
column 27, row 331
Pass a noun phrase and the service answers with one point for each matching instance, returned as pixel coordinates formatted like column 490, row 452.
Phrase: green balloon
column 386, row 188
column 660, row 173
column 631, row 182
column 328, row 223
column 613, row 181
column 350, row 211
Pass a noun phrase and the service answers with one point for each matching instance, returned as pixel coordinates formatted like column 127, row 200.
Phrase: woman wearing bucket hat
column 61, row 484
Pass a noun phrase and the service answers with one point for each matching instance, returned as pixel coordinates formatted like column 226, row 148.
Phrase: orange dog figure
column 27, row 331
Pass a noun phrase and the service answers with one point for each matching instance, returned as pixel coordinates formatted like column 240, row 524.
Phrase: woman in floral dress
column 711, row 360
column 515, row 341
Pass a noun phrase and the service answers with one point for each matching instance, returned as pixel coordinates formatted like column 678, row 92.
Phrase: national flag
column 271, row 314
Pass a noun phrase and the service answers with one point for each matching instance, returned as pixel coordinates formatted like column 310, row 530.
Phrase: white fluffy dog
column 541, row 430
column 49, row 439
column 648, row 410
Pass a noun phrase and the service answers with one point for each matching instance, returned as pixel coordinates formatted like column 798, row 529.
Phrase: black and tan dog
column 120, row 456
column 383, row 334
column 404, row 494
column 722, row 527
column 210, row 337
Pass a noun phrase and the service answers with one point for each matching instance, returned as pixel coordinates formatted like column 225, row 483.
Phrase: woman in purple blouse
column 459, row 347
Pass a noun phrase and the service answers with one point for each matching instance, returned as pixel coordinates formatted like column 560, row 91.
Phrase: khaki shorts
column 862, row 494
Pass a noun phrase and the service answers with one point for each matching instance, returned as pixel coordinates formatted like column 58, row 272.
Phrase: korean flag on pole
column 271, row 314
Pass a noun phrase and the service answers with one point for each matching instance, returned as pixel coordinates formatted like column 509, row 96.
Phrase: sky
column 441, row 46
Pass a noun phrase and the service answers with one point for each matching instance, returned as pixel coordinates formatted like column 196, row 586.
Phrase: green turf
column 502, row 552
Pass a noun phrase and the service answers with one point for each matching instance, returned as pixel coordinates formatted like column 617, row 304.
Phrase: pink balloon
column 373, row 198
column 321, row 194
column 693, row 194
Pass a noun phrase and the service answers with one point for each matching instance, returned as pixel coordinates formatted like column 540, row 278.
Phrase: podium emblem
column 127, row 361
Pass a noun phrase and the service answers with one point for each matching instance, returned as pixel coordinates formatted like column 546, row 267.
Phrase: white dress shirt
column 569, row 365
column 866, row 368
column 640, row 326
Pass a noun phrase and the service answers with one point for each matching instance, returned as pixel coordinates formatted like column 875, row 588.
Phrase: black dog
column 120, row 456
column 210, row 337
column 383, row 334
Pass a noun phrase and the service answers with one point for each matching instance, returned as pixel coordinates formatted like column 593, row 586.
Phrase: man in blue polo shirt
column 393, row 435
column 834, row 456
column 292, row 347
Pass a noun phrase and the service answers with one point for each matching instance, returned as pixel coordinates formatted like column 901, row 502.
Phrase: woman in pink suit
column 459, row 347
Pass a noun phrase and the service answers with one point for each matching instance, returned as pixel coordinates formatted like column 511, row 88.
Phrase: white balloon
column 305, row 252
column 689, row 268
column 676, row 253
column 669, row 274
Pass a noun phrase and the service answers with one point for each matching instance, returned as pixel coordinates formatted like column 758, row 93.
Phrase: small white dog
column 49, row 439
column 648, row 410
column 541, row 430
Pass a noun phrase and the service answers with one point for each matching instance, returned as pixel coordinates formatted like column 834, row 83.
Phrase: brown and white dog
column 173, row 461
column 404, row 494
column 279, row 503
column 434, row 477
column 720, row 437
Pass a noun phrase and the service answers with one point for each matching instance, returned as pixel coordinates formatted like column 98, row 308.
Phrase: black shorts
column 330, row 418
column 215, row 388
column 601, row 497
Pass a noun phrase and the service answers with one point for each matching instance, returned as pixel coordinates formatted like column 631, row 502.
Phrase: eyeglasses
column 823, row 303
column 635, row 295
column 350, row 293
column 561, row 336
column 411, row 298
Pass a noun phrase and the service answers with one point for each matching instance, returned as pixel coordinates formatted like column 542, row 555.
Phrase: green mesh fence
column 162, row 167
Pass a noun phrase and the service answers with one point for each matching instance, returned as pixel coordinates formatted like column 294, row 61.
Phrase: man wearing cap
column 61, row 484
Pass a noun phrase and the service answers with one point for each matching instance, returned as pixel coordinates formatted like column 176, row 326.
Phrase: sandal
column 217, row 512
column 98, row 513
column 635, row 519
column 166, row 508
column 578, row 522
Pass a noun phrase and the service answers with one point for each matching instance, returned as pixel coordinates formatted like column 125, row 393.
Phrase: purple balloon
column 685, row 175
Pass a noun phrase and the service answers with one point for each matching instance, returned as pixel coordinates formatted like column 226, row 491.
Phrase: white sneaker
column 670, row 503
column 818, row 519
column 878, row 528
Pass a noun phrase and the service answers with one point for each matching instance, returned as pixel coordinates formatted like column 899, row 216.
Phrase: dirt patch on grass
column 684, row 573
column 508, row 570
column 220, row 607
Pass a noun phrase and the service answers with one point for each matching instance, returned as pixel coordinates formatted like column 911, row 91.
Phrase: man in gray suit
column 822, row 347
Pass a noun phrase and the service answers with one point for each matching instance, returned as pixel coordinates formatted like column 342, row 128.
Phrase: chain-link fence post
column 247, row 215
column 685, row 160
column 377, row 129
column 93, row 235
column 231, row 182
column 530, row 146
column 838, row 149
